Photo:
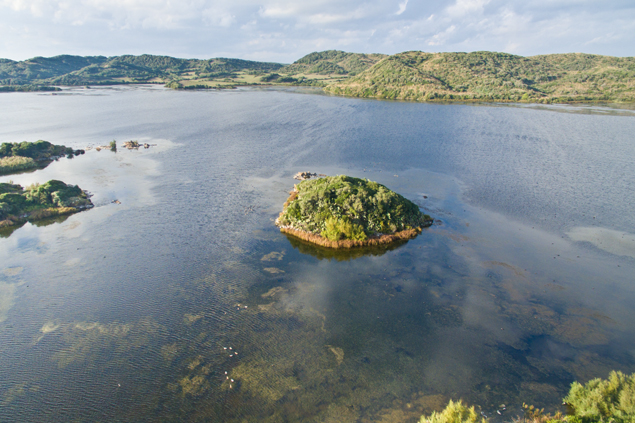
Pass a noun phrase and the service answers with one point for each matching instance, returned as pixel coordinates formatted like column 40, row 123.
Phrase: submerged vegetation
column 598, row 401
column 342, row 211
column 54, row 198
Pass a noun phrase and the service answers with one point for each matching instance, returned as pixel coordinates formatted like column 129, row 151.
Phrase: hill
column 413, row 75
column 494, row 77
column 99, row 70
column 332, row 62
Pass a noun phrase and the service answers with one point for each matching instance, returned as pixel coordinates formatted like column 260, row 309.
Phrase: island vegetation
column 345, row 212
column 414, row 75
column 54, row 198
column 20, row 156
column 609, row 400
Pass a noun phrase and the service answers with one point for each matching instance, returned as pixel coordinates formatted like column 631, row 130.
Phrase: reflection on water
column 342, row 254
column 185, row 302
column 614, row 242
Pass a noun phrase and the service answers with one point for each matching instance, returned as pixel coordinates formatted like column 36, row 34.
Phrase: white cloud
column 465, row 7
column 287, row 29
column 402, row 7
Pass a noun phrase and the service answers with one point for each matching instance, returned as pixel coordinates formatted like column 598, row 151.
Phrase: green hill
column 494, row 77
column 414, row 75
column 76, row 70
column 38, row 69
column 332, row 62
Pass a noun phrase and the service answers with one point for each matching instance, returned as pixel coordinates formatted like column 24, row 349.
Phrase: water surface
column 184, row 303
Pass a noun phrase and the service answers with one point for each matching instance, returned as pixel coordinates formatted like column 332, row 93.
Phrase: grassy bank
column 16, row 164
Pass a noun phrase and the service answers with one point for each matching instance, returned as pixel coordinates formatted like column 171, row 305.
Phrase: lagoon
column 133, row 312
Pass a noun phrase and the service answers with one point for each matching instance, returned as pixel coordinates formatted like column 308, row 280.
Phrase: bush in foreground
column 597, row 401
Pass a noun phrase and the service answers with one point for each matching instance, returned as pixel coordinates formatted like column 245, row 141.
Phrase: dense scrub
column 597, row 401
column 345, row 208
column 38, row 150
column 38, row 201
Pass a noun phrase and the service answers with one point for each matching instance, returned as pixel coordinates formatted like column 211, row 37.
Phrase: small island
column 54, row 198
column 21, row 156
column 346, row 212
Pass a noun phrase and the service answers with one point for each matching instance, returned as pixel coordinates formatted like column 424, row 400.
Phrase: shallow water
column 123, row 312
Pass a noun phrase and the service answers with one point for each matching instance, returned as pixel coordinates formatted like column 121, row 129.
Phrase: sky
column 285, row 30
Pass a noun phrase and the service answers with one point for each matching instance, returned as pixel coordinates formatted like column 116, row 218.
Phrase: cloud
column 285, row 30
column 465, row 7
column 402, row 7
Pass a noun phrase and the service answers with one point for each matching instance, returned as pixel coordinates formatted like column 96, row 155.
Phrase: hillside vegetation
column 414, row 75
column 100, row 70
column 332, row 62
column 494, row 76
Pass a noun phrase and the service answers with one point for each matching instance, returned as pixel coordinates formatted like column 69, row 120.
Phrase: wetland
column 184, row 302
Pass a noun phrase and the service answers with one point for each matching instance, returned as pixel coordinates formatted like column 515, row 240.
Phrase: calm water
column 185, row 303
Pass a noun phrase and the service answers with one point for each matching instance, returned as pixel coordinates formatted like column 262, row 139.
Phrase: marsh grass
column 15, row 164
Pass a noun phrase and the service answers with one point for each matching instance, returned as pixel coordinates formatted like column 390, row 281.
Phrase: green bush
column 611, row 400
column 455, row 412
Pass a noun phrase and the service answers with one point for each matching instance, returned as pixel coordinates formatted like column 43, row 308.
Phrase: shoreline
column 383, row 239
column 233, row 86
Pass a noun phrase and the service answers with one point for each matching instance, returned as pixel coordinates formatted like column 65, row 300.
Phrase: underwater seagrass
column 345, row 212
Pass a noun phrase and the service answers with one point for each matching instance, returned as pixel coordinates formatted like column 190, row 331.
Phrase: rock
column 301, row 176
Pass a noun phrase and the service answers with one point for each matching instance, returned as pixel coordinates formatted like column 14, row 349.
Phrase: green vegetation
column 344, row 208
column 16, row 164
column 414, row 75
column 39, row 150
column 113, row 145
column 53, row 198
column 27, row 88
column 598, row 401
column 488, row 76
column 19, row 156
column 455, row 412
column 611, row 400
column 332, row 62
column 128, row 69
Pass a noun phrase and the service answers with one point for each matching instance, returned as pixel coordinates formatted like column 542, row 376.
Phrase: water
column 123, row 312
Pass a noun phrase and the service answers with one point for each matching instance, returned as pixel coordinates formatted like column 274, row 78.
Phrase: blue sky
column 285, row 30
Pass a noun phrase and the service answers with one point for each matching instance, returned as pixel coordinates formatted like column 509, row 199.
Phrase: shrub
column 455, row 412
column 611, row 400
